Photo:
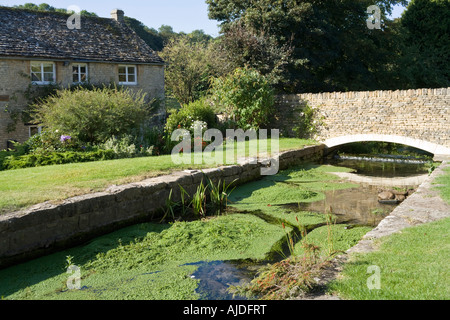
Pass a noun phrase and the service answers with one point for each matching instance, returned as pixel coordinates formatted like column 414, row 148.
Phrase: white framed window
column 32, row 130
column 79, row 73
column 43, row 72
column 127, row 74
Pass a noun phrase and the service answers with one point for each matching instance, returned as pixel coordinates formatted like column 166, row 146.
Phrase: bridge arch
column 440, row 152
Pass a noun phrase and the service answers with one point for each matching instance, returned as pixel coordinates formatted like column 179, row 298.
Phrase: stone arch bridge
column 419, row 118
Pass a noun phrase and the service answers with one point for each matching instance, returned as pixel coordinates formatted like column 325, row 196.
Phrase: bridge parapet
column 420, row 117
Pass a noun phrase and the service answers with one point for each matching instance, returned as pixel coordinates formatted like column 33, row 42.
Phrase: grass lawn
column 24, row 187
column 413, row 264
column 444, row 181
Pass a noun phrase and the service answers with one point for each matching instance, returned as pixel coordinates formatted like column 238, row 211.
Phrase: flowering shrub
column 125, row 147
column 52, row 141
column 309, row 122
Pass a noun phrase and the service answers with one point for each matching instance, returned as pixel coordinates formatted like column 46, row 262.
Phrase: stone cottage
column 42, row 48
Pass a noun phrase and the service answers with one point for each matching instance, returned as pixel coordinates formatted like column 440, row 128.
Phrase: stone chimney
column 118, row 15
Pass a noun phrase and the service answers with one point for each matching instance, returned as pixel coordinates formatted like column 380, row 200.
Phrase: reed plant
column 199, row 201
column 295, row 275
column 169, row 207
column 219, row 194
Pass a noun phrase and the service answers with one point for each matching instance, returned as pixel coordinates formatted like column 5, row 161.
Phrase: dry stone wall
column 422, row 114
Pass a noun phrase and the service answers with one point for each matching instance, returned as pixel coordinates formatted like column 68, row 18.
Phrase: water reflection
column 357, row 206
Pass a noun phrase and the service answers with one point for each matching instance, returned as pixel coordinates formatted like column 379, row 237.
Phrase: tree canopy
column 426, row 43
column 331, row 46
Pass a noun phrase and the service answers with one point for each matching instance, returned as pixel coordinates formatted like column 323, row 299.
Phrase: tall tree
column 332, row 47
column 426, row 44
column 190, row 65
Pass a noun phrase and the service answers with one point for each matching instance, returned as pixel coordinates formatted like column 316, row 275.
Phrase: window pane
column 131, row 78
column 36, row 77
column 36, row 68
column 48, row 67
column 75, row 78
column 122, row 78
column 83, row 69
column 48, row 77
column 131, row 70
column 122, row 70
column 83, row 78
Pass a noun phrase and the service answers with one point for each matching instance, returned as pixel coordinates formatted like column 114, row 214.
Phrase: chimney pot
column 118, row 15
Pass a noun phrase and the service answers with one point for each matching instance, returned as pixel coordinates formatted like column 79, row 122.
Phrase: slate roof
column 33, row 34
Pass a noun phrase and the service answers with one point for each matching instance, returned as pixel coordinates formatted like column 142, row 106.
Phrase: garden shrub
column 245, row 96
column 93, row 116
column 53, row 141
column 44, row 159
column 126, row 147
column 187, row 115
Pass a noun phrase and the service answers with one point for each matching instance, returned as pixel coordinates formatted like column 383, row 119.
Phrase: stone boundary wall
column 46, row 228
column 422, row 114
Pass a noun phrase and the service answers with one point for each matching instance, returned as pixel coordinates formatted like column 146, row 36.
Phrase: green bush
column 53, row 141
column 245, row 96
column 53, row 158
column 184, row 118
column 126, row 147
column 93, row 116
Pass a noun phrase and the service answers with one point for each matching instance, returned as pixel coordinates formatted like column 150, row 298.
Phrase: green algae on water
column 156, row 261
column 146, row 261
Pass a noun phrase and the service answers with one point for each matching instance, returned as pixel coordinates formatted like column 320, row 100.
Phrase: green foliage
column 125, row 147
column 218, row 194
column 245, row 96
column 425, row 44
column 330, row 47
column 95, row 115
column 308, row 122
column 191, row 63
column 51, row 141
column 184, row 118
column 199, row 201
column 46, row 159
column 255, row 49
column 48, row 8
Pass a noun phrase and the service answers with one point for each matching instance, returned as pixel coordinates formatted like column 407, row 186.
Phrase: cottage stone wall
column 15, row 79
column 421, row 117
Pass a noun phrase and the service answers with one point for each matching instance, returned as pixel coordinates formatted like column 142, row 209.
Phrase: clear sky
column 181, row 15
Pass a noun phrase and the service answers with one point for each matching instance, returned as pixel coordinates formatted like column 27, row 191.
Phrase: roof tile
column 34, row 34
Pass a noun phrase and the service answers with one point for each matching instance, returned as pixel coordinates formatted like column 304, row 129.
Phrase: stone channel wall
column 422, row 114
column 48, row 227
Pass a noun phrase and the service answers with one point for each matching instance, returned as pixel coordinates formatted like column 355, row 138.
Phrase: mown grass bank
column 25, row 187
column 413, row 263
